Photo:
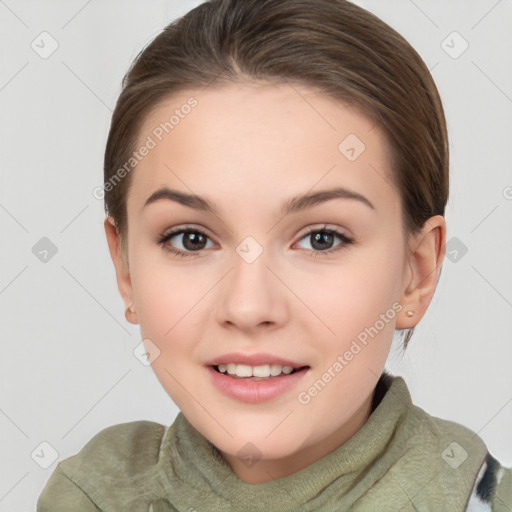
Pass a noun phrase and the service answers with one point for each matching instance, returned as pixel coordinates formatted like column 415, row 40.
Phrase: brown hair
column 333, row 46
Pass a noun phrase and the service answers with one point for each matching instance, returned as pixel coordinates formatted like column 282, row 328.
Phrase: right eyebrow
column 191, row 200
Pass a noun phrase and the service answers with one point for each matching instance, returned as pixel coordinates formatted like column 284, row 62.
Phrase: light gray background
column 67, row 367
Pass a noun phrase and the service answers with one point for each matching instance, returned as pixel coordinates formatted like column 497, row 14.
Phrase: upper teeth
column 244, row 370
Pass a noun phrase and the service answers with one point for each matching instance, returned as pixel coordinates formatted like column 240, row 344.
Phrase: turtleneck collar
column 400, row 459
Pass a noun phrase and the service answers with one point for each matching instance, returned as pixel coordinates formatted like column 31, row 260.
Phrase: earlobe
column 121, row 267
column 424, row 261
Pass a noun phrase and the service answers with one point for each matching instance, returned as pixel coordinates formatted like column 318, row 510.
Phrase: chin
column 256, row 442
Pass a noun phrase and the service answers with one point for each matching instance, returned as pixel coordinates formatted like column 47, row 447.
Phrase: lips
column 256, row 390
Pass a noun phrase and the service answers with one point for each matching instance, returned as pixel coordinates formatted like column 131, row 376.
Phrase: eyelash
column 164, row 238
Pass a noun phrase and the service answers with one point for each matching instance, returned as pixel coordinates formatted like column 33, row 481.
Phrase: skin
column 248, row 147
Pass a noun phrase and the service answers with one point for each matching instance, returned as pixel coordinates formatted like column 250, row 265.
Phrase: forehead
column 265, row 140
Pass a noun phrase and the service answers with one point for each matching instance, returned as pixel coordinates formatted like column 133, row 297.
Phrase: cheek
column 168, row 308
column 356, row 292
column 353, row 308
column 162, row 291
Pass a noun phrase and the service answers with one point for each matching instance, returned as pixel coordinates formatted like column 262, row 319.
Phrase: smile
column 253, row 388
column 245, row 371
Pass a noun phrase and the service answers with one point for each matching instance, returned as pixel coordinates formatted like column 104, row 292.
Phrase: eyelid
column 323, row 227
column 175, row 230
column 338, row 230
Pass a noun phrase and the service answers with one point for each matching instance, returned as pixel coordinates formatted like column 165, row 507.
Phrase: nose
column 252, row 297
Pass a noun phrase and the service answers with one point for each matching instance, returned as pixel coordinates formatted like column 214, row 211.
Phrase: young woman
column 276, row 176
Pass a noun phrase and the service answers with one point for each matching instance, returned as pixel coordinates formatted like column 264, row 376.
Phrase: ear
column 121, row 266
column 425, row 257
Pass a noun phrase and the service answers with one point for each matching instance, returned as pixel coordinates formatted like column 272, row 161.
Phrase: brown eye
column 184, row 242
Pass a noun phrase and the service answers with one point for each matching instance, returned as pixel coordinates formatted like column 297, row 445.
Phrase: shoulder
column 126, row 448
column 467, row 464
column 492, row 489
column 117, row 454
column 447, row 454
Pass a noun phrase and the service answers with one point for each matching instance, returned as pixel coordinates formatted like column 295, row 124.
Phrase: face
column 262, row 278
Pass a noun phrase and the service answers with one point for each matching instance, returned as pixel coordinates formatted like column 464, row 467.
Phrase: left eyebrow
column 302, row 202
column 292, row 205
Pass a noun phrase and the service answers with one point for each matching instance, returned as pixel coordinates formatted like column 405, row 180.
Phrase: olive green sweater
column 402, row 459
